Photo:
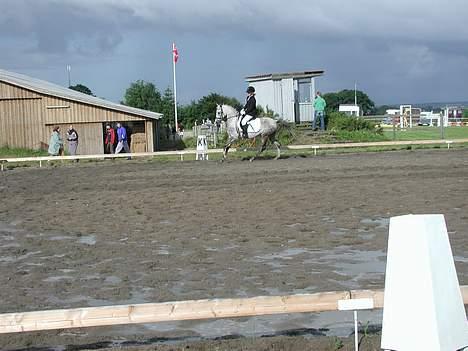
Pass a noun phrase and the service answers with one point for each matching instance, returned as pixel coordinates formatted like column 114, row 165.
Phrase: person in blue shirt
column 122, row 142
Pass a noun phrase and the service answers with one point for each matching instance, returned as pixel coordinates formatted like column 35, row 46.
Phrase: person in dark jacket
column 249, row 112
column 72, row 138
column 110, row 139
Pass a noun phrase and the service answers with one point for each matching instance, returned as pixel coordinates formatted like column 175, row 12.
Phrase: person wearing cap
column 249, row 112
column 319, row 107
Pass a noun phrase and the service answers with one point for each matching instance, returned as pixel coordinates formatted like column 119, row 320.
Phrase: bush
column 358, row 136
column 338, row 121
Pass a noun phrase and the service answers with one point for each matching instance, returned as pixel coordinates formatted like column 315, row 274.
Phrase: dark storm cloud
column 390, row 47
column 63, row 26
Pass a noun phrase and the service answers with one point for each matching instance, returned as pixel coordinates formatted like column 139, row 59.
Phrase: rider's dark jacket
column 250, row 107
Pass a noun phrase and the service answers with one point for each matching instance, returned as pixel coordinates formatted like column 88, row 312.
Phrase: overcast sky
column 398, row 51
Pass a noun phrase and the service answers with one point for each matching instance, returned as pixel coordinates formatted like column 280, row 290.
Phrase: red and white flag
column 175, row 53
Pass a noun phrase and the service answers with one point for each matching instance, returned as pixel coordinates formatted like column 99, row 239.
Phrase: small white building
column 393, row 111
column 290, row 95
column 350, row 109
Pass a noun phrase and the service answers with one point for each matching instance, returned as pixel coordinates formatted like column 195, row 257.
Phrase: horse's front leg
column 262, row 148
column 226, row 149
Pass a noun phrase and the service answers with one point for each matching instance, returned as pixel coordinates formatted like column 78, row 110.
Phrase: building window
column 304, row 90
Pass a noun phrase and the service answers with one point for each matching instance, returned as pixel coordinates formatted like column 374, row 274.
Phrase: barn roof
column 47, row 88
column 275, row 76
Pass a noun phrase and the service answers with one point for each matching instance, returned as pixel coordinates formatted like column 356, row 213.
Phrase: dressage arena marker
column 422, row 288
column 202, row 148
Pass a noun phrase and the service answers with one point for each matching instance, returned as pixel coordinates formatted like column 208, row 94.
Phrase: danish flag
column 175, row 53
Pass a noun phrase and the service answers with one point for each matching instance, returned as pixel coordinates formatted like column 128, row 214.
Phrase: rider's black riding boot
column 245, row 133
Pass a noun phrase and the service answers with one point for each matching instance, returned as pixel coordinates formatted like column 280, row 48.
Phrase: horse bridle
column 225, row 117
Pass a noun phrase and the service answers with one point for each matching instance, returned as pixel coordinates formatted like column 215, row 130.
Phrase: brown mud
column 122, row 232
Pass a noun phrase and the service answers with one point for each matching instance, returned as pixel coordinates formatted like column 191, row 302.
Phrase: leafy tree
column 82, row 89
column 167, row 106
column 205, row 108
column 143, row 95
column 347, row 97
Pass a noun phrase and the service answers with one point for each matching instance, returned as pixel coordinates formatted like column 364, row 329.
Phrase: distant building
column 290, row 95
column 350, row 109
column 393, row 111
column 30, row 108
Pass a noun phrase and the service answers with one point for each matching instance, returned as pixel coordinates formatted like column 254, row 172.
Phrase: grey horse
column 264, row 127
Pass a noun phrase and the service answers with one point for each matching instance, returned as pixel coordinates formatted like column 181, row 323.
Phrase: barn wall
column 21, row 118
column 91, row 137
column 8, row 91
column 64, row 111
column 27, row 119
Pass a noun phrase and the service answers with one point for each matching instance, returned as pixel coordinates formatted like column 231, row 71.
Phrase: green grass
column 7, row 152
column 427, row 133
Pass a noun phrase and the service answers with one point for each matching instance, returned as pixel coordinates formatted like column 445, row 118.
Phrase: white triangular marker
column 423, row 306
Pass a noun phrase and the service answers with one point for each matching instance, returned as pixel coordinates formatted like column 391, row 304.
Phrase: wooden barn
column 30, row 108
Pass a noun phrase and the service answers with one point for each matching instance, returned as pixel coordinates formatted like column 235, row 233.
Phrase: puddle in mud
column 88, row 240
column 378, row 223
column 56, row 279
column 60, row 237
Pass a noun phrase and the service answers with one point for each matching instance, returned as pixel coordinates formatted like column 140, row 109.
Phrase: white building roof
column 277, row 76
column 47, row 88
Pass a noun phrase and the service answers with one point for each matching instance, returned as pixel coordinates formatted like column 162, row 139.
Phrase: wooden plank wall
column 27, row 119
column 63, row 111
column 91, row 137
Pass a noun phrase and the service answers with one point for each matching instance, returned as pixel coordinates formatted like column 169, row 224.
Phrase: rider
column 249, row 112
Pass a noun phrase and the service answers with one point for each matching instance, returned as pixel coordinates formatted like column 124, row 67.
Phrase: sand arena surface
column 136, row 231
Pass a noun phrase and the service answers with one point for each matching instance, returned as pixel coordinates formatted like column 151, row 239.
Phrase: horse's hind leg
column 277, row 144
column 262, row 148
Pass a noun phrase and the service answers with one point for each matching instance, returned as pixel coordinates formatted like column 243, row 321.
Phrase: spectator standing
column 55, row 143
column 168, row 131
column 174, row 131
column 319, row 107
column 181, row 130
column 122, row 139
column 72, row 138
column 110, row 139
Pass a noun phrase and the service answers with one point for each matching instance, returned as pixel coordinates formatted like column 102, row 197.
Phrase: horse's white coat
column 264, row 127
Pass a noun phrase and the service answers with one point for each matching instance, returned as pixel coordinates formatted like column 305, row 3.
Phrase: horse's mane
column 228, row 109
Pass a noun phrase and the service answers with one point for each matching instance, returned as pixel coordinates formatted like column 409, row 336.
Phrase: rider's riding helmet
column 250, row 90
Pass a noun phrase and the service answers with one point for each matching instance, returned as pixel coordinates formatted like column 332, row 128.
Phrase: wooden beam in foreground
column 184, row 310
column 169, row 311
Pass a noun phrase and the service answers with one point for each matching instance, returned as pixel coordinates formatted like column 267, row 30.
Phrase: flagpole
column 175, row 86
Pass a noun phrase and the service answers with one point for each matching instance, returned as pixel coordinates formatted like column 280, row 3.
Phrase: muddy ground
column 120, row 232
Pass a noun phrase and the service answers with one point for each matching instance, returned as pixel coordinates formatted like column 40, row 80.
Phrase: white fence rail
column 182, row 153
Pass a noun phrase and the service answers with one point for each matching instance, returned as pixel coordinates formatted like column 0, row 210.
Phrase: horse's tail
column 285, row 131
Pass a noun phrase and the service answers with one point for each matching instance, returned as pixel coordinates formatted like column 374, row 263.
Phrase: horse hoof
column 251, row 160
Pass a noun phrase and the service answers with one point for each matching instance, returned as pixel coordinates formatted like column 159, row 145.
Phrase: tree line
column 146, row 96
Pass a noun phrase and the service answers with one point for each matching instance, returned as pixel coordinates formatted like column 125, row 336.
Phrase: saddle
column 253, row 127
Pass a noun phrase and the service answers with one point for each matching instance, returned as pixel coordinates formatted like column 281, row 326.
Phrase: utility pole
column 68, row 71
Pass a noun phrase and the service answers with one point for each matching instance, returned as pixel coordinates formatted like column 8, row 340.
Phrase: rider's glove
column 242, row 112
